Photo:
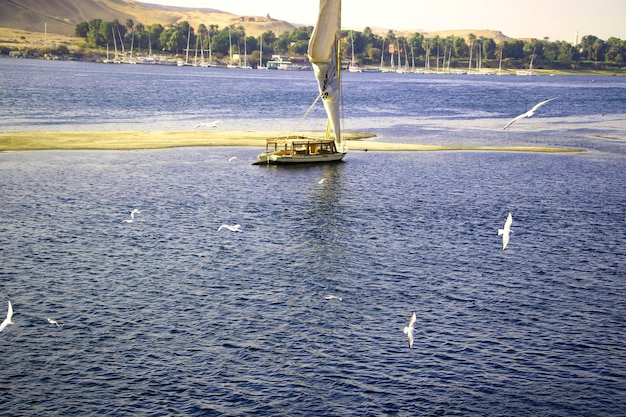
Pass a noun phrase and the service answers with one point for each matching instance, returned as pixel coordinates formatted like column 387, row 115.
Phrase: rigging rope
column 304, row 116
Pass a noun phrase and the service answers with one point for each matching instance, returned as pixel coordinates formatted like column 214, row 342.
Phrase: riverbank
column 17, row 43
column 136, row 140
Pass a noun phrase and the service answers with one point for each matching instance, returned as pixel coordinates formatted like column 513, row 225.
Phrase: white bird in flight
column 52, row 321
column 321, row 181
column 132, row 215
column 214, row 123
column 529, row 113
column 333, row 297
column 232, row 158
column 7, row 321
column 410, row 329
column 232, row 228
column 506, row 231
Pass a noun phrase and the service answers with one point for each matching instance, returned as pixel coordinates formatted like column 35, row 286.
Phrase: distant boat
column 107, row 60
column 400, row 69
column 202, row 62
column 324, row 57
column 353, row 67
column 529, row 71
column 245, row 56
column 500, row 64
column 116, row 58
column 260, row 66
column 186, row 62
column 230, row 51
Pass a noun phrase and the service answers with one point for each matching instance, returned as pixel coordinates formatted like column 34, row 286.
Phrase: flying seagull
column 333, row 297
column 529, row 113
column 214, row 123
column 408, row 330
column 7, row 321
column 132, row 215
column 232, row 158
column 233, row 228
column 52, row 321
column 506, row 231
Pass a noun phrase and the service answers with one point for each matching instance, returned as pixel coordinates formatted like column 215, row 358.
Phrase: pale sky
column 556, row 19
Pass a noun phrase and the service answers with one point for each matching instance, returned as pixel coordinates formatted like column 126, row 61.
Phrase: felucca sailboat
column 324, row 57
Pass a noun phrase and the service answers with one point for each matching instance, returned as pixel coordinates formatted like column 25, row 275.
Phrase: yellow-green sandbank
column 129, row 140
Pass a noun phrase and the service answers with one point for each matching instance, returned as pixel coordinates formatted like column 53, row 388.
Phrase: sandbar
column 133, row 140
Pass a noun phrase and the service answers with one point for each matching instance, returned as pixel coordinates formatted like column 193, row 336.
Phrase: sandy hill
column 62, row 16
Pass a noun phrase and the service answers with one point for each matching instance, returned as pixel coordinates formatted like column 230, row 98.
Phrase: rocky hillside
column 61, row 16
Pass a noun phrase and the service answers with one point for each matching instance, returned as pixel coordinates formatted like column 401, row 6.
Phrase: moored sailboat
column 260, row 65
column 324, row 57
column 186, row 62
column 353, row 67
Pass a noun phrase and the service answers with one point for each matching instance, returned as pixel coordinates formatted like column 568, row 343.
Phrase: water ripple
column 166, row 316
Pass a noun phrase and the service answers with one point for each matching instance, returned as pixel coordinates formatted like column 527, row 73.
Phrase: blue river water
column 165, row 315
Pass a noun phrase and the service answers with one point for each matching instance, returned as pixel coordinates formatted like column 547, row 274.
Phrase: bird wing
column 232, row 228
column 413, row 320
column 505, row 240
column 515, row 119
column 534, row 109
column 509, row 221
column 7, row 321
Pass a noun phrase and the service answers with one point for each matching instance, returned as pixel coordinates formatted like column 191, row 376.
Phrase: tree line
column 175, row 38
column 368, row 47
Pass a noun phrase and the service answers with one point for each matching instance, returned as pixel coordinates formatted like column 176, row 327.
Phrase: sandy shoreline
column 129, row 140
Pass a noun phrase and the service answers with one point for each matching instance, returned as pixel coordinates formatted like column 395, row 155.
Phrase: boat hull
column 269, row 159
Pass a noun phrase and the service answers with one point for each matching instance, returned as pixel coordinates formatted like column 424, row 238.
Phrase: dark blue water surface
column 168, row 316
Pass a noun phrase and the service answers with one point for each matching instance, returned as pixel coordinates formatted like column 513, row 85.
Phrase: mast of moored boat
column 324, row 57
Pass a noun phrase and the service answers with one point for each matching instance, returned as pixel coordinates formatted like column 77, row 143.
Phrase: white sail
column 323, row 54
